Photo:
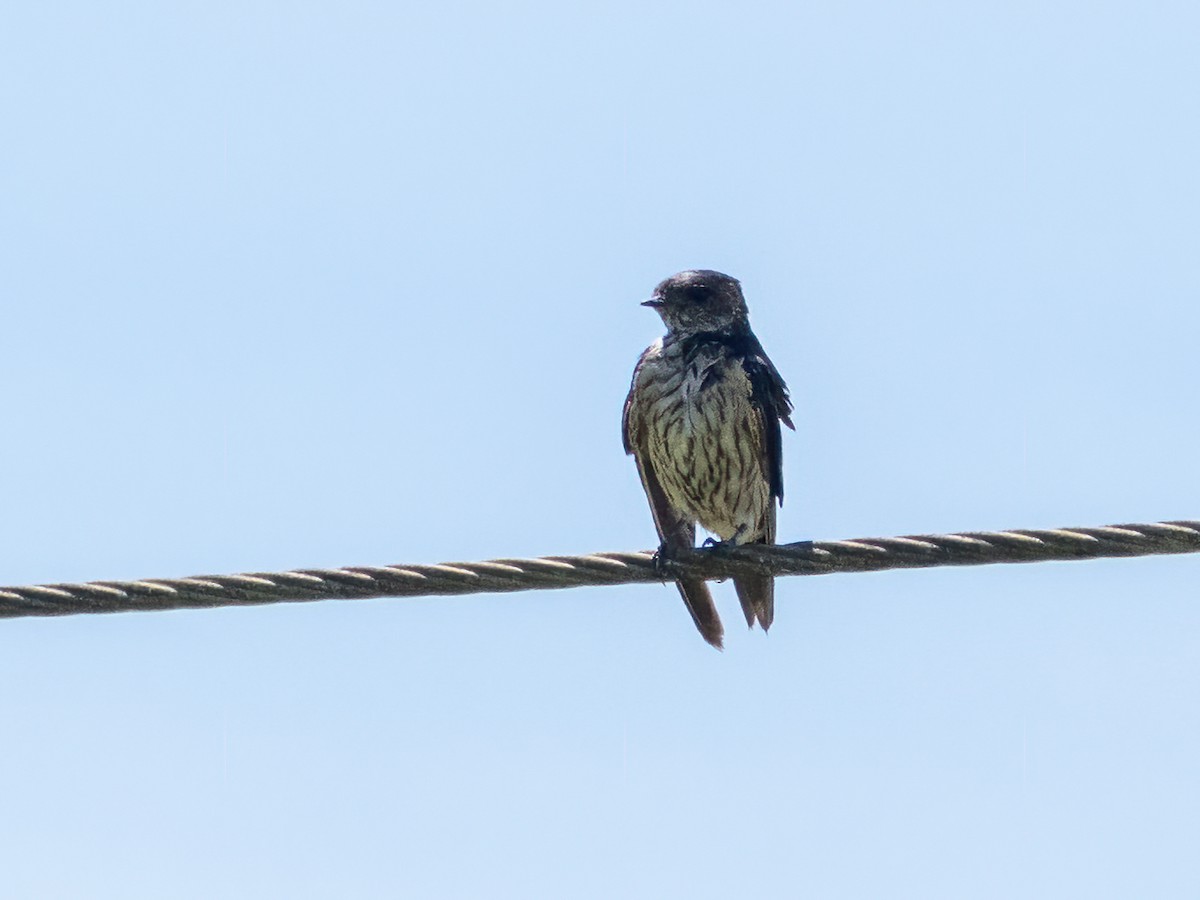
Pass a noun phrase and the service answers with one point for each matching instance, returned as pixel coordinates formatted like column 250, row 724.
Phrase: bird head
column 700, row 300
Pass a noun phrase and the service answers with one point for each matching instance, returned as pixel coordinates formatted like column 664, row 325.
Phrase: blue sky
column 296, row 285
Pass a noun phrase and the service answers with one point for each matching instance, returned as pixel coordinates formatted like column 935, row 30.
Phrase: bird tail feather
column 757, row 595
column 700, row 604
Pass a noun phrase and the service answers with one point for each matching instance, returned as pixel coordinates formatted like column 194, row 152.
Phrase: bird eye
column 698, row 293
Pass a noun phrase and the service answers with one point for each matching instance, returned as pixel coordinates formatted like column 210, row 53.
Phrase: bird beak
column 653, row 304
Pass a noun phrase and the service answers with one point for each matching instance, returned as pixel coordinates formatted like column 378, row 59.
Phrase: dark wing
column 769, row 396
column 674, row 532
column 626, row 422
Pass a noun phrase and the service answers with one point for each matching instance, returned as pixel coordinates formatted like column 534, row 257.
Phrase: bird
column 702, row 422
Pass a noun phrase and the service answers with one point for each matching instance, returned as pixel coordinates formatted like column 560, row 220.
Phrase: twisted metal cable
column 549, row 572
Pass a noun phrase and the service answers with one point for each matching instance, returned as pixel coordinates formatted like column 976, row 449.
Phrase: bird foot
column 662, row 563
column 732, row 542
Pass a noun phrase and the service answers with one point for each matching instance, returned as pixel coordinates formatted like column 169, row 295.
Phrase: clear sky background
column 299, row 285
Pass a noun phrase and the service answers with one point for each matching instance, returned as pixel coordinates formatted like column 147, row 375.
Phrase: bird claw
column 661, row 560
column 732, row 542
